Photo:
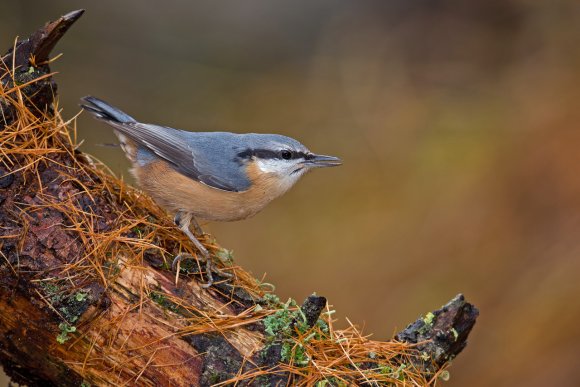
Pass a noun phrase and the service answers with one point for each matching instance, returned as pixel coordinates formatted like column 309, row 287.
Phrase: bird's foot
column 210, row 270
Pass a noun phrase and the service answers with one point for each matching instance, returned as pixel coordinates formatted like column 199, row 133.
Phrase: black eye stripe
column 270, row 154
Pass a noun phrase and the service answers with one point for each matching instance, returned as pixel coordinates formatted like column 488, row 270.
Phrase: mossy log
column 87, row 295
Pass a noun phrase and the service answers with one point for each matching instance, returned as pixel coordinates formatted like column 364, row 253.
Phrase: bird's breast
column 176, row 192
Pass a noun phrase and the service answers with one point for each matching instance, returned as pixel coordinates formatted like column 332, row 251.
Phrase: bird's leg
column 183, row 221
column 196, row 228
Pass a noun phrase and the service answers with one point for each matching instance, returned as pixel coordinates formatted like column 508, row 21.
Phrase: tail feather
column 102, row 110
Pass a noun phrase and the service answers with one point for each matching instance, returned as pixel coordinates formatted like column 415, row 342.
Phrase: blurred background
column 458, row 123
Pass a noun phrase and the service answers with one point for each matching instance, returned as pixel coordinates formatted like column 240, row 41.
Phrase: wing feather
column 172, row 145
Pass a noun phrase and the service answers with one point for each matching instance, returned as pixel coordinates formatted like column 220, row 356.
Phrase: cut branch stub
column 41, row 42
column 312, row 307
column 28, row 61
column 443, row 332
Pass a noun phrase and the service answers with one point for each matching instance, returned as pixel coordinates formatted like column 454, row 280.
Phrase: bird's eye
column 286, row 154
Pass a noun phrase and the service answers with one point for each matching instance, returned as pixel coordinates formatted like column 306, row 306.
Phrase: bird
column 213, row 176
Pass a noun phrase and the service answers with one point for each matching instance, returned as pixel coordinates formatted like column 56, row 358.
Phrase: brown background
column 457, row 122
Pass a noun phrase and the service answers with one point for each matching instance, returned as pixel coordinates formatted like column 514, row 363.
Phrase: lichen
column 428, row 319
column 65, row 329
column 455, row 334
column 288, row 329
column 69, row 305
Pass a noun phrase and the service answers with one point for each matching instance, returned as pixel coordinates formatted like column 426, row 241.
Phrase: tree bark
column 87, row 296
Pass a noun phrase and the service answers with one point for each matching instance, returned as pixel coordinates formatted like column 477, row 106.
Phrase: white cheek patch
column 283, row 171
column 272, row 165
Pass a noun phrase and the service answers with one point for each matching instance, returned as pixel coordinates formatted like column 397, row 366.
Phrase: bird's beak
column 323, row 161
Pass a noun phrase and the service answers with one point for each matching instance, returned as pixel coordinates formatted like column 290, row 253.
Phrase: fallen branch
column 87, row 295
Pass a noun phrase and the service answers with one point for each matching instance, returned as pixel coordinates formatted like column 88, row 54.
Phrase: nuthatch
column 217, row 176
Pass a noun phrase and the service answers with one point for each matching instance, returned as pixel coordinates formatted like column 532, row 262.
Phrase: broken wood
column 87, row 294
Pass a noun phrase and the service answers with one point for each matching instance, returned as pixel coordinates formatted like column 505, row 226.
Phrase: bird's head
column 282, row 158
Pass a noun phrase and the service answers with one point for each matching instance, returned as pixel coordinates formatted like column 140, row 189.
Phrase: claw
column 209, row 269
column 183, row 221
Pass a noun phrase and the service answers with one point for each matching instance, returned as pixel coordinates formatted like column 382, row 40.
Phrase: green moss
column 271, row 300
column 52, row 291
column 295, row 353
column 65, row 329
column 395, row 374
column 279, row 323
column 69, row 306
column 331, row 382
column 81, row 296
column 323, row 326
column 138, row 230
column 162, row 300
column 398, row 374
column 427, row 323
column 189, row 265
column 282, row 327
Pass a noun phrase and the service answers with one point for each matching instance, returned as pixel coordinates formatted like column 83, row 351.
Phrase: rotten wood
column 62, row 328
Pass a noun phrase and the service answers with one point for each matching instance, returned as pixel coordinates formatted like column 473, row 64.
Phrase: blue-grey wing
column 205, row 157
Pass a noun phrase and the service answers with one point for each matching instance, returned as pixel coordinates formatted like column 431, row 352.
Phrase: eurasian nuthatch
column 217, row 176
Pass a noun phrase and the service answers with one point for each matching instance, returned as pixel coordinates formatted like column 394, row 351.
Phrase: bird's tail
column 102, row 110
